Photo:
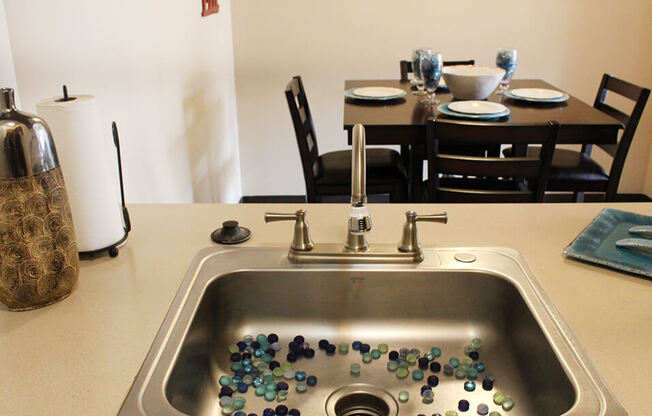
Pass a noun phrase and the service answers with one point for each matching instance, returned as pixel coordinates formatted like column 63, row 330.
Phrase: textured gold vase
column 39, row 263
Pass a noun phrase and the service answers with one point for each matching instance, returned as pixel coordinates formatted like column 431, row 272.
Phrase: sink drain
column 361, row 400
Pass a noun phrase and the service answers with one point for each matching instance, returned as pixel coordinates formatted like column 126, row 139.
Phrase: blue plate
column 443, row 108
column 597, row 243
column 561, row 99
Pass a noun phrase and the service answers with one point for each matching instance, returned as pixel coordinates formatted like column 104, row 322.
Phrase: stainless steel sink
column 441, row 302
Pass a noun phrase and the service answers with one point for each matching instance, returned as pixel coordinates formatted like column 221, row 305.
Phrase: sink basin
column 445, row 301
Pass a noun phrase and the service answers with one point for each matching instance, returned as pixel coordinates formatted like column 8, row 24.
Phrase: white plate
column 378, row 92
column 537, row 93
column 476, row 107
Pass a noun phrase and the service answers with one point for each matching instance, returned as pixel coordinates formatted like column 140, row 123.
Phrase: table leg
column 415, row 172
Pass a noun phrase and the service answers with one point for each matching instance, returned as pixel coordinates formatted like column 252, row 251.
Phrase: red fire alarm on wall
column 209, row 7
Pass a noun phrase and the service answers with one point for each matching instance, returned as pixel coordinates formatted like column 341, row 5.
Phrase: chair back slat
column 624, row 88
column 488, row 166
column 448, row 195
column 406, row 66
column 305, row 133
column 488, row 171
column 613, row 112
column 619, row 153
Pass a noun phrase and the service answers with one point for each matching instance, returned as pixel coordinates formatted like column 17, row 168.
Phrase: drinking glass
column 431, row 64
column 416, row 70
column 506, row 59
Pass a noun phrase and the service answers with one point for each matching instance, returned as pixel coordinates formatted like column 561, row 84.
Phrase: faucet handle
column 301, row 240
column 409, row 240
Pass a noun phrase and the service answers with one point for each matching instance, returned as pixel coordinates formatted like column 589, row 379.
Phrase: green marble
column 402, row 372
column 239, row 403
column 460, row 373
column 403, row 396
column 499, row 397
column 508, row 404
column 476, row 343
column 355, row 369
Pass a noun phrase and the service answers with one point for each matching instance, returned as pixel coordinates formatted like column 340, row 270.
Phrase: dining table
column 403, row 121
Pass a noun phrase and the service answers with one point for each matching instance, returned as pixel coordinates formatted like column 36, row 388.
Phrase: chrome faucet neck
column 359, row 222
column 358, row 167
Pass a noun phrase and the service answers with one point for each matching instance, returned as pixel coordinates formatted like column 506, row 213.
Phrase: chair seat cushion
column 383, row 166
column 570, row 167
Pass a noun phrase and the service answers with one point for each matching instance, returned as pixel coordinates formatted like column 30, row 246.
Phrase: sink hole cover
column 361, row 400
column 465, row 257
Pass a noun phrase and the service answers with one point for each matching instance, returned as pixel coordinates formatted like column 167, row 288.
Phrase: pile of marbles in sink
column 255, row 367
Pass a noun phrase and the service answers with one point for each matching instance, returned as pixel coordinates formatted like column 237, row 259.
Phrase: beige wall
column 7, row 73
column 163, row 72
column 568, row 43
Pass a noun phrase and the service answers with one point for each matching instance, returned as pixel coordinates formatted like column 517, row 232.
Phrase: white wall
column 163, row 72
column 567, row 43
column 7, row 73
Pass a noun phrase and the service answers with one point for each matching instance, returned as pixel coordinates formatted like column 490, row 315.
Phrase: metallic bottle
column 39, row 263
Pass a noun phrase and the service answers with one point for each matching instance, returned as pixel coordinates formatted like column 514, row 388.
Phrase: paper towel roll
column 89, row 165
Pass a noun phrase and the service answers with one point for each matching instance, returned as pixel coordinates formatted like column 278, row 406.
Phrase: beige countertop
column 80, row 356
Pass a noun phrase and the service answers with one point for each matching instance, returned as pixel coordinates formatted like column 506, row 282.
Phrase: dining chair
column 406, row 66
column 460, row 178
column 330, row 173
column 575, row 171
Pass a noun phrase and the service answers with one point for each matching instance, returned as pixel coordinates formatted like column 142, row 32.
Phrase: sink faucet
column 356, row 249
column 359, row 218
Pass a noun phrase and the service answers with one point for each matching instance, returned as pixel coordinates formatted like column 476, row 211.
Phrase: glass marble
column 403, row 396
column 499, row 397
column 508, row 404
column 402, row 372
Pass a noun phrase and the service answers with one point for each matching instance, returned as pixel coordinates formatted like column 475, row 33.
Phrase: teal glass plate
column 561, row 99
column 349, row 94
column 597, row 243
column 443, row 108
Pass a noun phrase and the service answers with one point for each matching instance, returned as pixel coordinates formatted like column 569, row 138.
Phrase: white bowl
column 469, row 82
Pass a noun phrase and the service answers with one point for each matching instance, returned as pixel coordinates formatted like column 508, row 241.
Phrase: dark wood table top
column 403, row 121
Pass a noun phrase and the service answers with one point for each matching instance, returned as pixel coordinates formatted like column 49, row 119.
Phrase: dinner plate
column 398, row 93
column 476, row 107
column 378, row 92
column 443, row 108
column 561, row 99
column 537, row 93
column 599, row 242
